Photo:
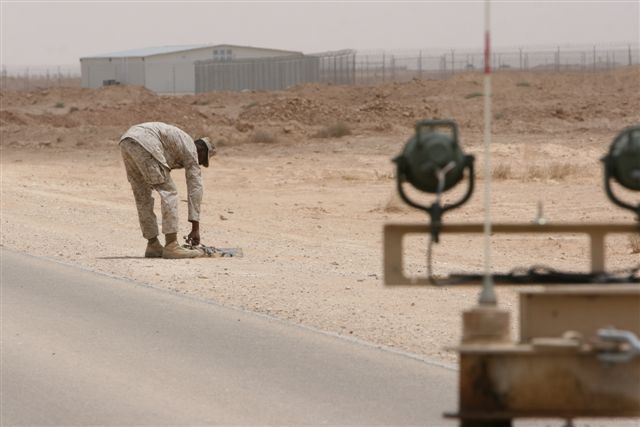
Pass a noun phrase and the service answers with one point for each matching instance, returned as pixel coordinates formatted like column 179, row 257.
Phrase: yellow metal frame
column 394, row 235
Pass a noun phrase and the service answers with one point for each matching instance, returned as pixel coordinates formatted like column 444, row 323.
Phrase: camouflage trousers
column 146, row 174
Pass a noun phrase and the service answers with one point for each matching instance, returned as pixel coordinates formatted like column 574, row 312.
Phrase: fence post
column 520, row 50
column 453, row 63
column 443, row 65
column 353, row 71
column 393, row 68
column 366, row 64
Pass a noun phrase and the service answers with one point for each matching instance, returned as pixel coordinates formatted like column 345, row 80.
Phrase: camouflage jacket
column 174, row 149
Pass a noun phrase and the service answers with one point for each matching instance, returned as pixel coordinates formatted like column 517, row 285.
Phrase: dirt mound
column 11, row 118
column 303, row 110
column 523, row 102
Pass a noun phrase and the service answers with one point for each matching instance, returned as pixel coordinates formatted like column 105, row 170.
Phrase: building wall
column 166, row 73
column 175, row 72
column 123, row 70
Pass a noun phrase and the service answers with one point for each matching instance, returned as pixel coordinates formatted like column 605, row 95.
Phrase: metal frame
column 394, row 235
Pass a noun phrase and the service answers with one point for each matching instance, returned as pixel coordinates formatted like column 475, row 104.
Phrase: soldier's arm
column 194, row 190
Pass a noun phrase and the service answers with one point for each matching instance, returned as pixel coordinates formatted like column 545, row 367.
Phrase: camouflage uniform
column 150, row 151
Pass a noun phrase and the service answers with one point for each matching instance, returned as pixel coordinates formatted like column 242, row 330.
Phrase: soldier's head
column 205, row 149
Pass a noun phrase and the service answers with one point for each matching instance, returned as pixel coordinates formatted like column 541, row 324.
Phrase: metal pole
column 520, row 59
column 353, row 71
column 453, row 64
column 487, row 296
column 443, row 62
column 366, row 64
column 393, row 68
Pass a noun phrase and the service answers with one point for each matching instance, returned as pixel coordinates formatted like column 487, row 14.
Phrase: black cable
column 542, row 275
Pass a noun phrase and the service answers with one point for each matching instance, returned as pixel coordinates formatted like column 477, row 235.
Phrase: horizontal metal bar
column 595, row 228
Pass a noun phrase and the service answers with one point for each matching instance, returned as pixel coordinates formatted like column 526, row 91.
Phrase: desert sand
column 308, row 208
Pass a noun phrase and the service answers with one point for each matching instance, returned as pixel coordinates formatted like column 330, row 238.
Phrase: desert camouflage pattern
column 146, row 174
column 173, row 149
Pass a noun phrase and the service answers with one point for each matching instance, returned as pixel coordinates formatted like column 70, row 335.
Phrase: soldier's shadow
column 122, row 257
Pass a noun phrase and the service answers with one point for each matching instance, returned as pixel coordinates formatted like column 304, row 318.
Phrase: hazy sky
column 60, row 32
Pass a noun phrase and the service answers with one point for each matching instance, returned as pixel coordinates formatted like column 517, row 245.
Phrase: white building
column 166, row 69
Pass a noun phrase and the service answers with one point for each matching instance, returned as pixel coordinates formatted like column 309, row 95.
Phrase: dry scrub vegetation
column 335, row 130
column 634, row 243
column 554, row 171
column 262, row 136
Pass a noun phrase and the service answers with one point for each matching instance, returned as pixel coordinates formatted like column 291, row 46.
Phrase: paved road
column 80, row 348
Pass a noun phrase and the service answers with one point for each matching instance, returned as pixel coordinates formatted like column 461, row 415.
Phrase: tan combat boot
column 154, row 250
column 174, row 251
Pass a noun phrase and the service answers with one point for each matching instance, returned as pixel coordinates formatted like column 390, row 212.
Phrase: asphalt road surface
column 80, row 348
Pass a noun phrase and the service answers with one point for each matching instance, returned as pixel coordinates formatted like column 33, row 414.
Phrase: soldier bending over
column 150, row 151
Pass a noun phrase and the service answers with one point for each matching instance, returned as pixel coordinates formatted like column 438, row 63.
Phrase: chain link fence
column 27, row 78
column 337, row 67
column 256, row 74
column 350, row 67
column 276, row 73
column 382, row 66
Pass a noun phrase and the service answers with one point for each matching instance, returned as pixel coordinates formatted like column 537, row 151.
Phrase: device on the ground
column 213, row 251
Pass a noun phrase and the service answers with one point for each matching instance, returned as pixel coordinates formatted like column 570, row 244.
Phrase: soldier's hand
column 194, row 236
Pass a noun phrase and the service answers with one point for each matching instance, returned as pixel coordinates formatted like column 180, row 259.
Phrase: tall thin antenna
column 487, row 296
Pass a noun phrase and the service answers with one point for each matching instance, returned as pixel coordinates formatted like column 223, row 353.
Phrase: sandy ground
column 308, row 211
